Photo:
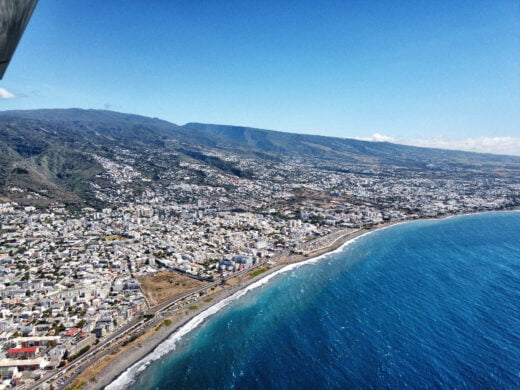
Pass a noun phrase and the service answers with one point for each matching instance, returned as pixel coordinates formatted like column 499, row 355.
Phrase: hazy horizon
column 414, row 73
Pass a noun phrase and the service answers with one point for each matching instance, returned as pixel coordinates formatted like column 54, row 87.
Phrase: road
column 64, row 375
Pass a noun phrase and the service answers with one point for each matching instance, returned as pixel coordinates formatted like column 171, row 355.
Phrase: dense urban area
column 72, row 278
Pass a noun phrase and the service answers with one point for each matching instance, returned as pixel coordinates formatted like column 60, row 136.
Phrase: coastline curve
column 128, row 377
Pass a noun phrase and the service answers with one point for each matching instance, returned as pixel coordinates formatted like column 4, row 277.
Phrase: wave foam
column 129, row 376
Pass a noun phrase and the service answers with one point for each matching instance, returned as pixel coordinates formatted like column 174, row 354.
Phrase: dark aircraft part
column 14, row 16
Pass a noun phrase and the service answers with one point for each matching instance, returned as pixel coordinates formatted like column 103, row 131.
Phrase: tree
column 81, row 323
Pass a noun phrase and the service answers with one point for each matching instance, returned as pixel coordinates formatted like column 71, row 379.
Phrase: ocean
column 425, row 304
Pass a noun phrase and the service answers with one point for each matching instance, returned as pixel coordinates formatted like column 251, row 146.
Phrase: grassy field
column 258, row 272
column 167, row 285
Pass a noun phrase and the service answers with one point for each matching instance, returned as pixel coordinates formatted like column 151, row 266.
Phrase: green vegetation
column 347, row 150
column 208, row 299
column 216, row 162
column 78, row 386
column 81, row 323
column 259, row 272
column 166, row 322
column 81, row 352
column 58, row 164
column 193, row 307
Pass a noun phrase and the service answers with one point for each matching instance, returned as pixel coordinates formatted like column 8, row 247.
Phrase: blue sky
column 406, row 71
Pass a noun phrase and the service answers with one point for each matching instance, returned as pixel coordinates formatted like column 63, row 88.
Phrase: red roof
column 22, row 350
column 72, row 332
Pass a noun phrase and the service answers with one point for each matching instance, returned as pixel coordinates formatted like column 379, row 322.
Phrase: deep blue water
column 428, row 304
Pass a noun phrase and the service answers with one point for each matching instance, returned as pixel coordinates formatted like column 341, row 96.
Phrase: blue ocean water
column 427, row 304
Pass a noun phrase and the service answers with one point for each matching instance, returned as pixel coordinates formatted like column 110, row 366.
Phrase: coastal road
column 65, row 375
column 134, row 326
column 107, row 341
column 155, row 312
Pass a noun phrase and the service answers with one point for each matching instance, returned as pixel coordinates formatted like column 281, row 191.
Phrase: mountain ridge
column 62, row 154
column 245, row 132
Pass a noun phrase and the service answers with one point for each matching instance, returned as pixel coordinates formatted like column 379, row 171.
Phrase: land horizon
column 109, row 380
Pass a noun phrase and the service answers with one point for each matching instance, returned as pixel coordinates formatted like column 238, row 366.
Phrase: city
column 72, row 280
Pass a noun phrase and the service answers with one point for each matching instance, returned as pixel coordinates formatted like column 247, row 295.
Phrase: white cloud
column 496, row 145
column 381, row 138
column 5, row 94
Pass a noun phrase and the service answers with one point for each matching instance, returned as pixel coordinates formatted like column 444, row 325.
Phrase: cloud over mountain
column 496, row 145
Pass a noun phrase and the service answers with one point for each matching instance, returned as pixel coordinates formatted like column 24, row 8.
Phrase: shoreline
column 108, row 377
column 125, row 366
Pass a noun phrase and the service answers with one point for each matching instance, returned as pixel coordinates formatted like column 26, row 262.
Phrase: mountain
column 103, row 126
column 50, row 152
column 345, row 149
column 94, row 157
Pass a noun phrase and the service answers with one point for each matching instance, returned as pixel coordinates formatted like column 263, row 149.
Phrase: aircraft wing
column 14, row 16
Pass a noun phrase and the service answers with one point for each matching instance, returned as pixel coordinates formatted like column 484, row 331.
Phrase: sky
column 418, row 72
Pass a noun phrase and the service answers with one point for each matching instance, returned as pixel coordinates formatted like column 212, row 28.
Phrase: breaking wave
column 125, row 379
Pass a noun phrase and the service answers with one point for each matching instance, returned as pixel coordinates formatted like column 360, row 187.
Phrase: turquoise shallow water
column 427, row 304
